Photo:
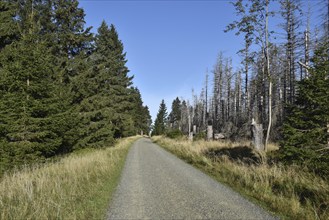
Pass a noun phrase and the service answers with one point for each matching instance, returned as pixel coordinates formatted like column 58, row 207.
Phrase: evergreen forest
column 62, row 87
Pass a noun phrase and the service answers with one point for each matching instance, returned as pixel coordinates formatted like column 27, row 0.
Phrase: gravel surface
column 157, row 185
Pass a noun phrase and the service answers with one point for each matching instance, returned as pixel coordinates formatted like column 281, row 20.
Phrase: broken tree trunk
column 209, row 133
column 194, row 129
column 257, row 135
column 190, row 136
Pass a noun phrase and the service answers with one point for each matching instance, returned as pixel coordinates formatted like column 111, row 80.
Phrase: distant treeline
column 61, row 87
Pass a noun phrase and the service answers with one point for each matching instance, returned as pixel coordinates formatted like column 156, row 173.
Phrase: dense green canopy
column 61, row 87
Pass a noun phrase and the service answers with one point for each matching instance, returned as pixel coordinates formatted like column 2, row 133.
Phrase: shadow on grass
column 239, row 154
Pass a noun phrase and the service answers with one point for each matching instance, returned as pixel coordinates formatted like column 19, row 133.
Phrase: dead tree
column 257, row 135
column 209, row 133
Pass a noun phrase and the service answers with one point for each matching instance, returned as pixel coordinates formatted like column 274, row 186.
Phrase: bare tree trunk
column 292, row 58
column 206, row 101
column 257, row 135
column 237, row 100
column 209, row 133
column 307, row 42
column 220, row 97
column 246, row 66
column 190, row 135
column 270, row 82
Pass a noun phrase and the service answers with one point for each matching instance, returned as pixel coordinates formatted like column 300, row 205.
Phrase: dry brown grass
column 77, row 187
column 289, row 192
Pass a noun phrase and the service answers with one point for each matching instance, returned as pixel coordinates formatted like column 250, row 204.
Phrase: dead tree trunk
column 270, row 81
column 257, row 135
column 209, row 133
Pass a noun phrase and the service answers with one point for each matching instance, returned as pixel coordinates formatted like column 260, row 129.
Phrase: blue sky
column 169, row 44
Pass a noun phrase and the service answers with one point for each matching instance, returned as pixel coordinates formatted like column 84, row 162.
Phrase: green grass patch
column 79, row 186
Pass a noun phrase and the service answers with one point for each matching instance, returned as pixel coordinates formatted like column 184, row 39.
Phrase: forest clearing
column 247, row 82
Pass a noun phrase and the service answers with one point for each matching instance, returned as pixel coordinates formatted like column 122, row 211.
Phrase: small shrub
column 200, row 136
column 175, row 133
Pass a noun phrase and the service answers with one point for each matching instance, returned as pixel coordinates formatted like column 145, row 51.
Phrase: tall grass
column 78, row 186
column 290, row 192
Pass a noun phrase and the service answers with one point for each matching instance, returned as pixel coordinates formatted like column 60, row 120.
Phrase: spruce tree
column 93, row 95
column 141, row 115
column 103, row 93
column 30, row 120
column 8, row 26
column 305, row 128
column 175, row 114
column 161, row 120
column 70, row 42
column 120, row 85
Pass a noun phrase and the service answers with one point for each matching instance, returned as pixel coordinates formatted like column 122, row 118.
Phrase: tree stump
column 209, row 133
column 194, row 129
column 257, row 135
column 190, row 136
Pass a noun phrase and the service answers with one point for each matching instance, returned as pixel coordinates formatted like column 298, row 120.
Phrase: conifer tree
column 120, row 85
column 30, row 117
column 93, row 95
column 70, row 42
column 140, row 114
column 161, row 120
column 8, row 26
column 59, row 86
column 305, row 127
column 103, row 93
column 175, row 114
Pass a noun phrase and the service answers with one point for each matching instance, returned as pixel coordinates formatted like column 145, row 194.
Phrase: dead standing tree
column 254, row 24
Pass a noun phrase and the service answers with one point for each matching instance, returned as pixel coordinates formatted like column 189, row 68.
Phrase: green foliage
column 141, row 114
column 174, row 133
column 29, row 106
column 61, row 88
column 8, row 27
column 175, row 114
column 161, row 120
column 200, row 136
column 108, row 107
column 305, row 128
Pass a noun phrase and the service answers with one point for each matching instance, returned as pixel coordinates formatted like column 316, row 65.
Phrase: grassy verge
column 78, row 186
column 289, row 192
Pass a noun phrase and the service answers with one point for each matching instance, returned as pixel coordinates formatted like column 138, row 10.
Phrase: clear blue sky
column 169, row 44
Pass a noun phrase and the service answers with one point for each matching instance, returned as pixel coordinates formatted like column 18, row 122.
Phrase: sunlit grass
column 78, row 186
column 290, row 192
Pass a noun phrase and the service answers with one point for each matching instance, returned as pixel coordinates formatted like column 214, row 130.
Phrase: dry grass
column 199, row 146
column 76, row 187
column 287, row 191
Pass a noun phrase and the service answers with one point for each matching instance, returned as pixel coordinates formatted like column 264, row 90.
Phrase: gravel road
column 157, row 185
